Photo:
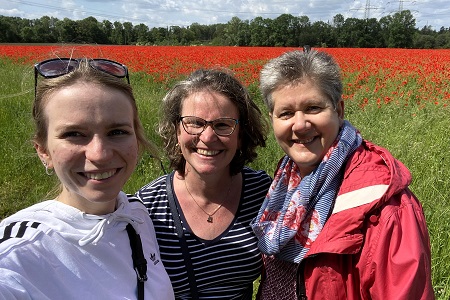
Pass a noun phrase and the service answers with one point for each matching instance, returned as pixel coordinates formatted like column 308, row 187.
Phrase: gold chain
column 210, row 216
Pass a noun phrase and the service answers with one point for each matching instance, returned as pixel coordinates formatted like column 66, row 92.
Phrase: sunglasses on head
column 56, row 67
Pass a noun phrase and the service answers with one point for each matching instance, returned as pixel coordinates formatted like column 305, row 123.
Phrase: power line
column 59, row 8
column 164, row 13
column 104, row 14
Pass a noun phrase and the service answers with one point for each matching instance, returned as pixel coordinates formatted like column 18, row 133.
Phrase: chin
column 307, row 164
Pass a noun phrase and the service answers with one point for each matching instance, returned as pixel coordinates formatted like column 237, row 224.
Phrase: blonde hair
column 84, row 73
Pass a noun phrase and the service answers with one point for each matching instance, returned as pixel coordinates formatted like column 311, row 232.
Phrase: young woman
column 90, row 242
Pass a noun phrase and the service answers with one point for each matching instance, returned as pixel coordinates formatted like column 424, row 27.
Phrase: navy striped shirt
column 225, row 267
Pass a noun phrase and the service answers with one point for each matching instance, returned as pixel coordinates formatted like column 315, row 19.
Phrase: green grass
column 418, row 135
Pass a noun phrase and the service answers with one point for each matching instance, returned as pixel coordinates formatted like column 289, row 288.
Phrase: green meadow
column 417, row 134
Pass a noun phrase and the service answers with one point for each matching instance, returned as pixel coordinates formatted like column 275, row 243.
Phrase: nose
column 98, row 150
column 208, row 134
column 300, row 122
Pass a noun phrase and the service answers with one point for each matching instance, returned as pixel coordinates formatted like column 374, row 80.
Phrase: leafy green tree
column 236, row 32
column 260, row 32
column 285, row 31
column 9, row 30
column 423, row 41
column 351, row 31
column 118, row 34
column 321, row 34
column 385, row 23
column 219, row 35
column 67, row 31
column 338, row 23
column 396, row 30
column 425, row 38
column 159, row 35
column 304, row 33
column 141, row 31
column 27, row 34
column 203, row 34
column 402, row 30
column 107, row 27
column 129, row 36
column 443, row 38
column 175, row 35
column 371, row 36
column 188, row 37
column 44, row 30
column 89, row 31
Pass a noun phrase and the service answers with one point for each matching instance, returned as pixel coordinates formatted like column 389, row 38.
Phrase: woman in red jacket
column 339, row 221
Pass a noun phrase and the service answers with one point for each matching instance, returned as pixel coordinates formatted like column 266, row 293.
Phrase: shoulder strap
column 173, row 206
column 301, row 288
column 181, row 237
column 139, row 261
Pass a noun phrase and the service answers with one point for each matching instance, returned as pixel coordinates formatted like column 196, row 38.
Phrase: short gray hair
column 293, row 67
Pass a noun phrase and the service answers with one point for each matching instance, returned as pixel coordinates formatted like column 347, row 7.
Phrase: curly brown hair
column 252, row 130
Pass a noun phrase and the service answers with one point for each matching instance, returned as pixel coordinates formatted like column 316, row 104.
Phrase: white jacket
column 54, row 251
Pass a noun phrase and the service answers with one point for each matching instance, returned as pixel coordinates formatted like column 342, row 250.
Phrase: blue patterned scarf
column 296, row 209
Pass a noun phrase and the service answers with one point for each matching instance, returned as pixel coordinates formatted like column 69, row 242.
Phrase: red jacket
column 375, row 245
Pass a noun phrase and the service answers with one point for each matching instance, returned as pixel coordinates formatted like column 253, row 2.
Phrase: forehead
column 89, row 102
column 305, row 91
column 204, row 103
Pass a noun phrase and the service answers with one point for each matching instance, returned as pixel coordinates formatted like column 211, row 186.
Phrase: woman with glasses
column 90, row 241
column 339, row 221
column 202, row 210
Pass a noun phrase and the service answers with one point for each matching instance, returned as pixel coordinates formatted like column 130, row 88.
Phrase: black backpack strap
column 139, row 261
column 182, row 238
column 301, row 288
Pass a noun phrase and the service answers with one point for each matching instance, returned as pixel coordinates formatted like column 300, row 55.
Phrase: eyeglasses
column 56, row 67
column 222, row 126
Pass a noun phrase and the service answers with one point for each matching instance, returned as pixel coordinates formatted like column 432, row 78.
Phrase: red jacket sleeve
column 399, row 259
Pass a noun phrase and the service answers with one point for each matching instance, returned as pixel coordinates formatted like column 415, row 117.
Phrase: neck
column 211, row 190
column 205, row 203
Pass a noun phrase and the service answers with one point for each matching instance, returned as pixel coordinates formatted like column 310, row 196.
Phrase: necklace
column 210, row 215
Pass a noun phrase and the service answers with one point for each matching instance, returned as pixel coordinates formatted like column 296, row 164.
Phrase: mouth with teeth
column 207, row 152
column 304, row 141
column 99, row 176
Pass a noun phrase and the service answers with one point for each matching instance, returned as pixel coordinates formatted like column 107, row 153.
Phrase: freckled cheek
column 131, row 154
column 62, row 157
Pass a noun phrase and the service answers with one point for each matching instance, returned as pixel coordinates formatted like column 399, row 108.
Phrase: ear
column 43, row 155
column 271, row 117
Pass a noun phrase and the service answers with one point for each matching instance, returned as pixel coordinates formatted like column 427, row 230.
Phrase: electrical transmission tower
column 367, row 9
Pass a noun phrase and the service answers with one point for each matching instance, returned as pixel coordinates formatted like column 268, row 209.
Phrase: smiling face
column 305, row 124
column 208, row 153
column 91, row 144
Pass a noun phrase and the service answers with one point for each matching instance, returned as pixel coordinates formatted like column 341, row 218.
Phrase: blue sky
column 163, row 13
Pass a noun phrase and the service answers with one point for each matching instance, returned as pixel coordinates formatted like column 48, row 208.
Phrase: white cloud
column 162, row 13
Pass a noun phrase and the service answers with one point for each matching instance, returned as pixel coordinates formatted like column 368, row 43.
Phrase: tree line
column 392, row 31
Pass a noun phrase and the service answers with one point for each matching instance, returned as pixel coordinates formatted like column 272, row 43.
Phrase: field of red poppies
column 397, row 98
column 380, row 75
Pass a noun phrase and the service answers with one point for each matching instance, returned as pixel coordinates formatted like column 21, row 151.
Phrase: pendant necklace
column 210, row 215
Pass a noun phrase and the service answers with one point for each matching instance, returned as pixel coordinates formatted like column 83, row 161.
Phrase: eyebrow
column 81, row 126
column 123, row 124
